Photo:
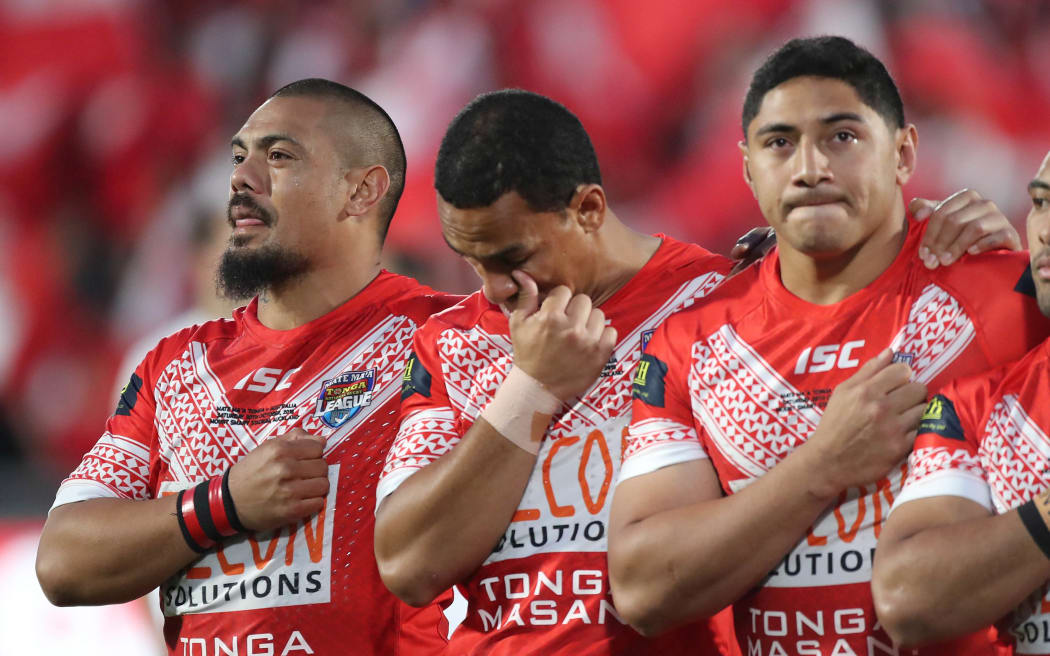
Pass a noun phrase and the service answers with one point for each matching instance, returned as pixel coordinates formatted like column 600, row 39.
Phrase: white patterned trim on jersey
column 657, row 443
column 937, row 331
column 424, row 436
column 1018, row 454
column 937, row 471
column 116, row 466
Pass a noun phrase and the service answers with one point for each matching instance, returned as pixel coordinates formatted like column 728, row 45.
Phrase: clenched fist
column 869, row 425
column 283, row 480
column 563, row 343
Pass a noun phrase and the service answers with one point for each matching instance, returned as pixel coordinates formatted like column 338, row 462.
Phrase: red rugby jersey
column 544, row 589
column 743, row 378
column 985, row 438
column 209, row 394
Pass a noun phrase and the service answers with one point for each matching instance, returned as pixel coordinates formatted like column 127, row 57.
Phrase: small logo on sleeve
column 343, row 397
column 129, row 395
column 940, row 419
column 416, row 379
column 648, row 383
column 646, row 336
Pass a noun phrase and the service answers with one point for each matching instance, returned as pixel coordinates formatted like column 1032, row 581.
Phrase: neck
column 316, row 293
column 828, row 280
column 622, row 253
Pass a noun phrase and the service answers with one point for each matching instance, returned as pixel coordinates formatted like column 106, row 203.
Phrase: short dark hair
column 514, row 140
column 828, row 56
column 375, row 136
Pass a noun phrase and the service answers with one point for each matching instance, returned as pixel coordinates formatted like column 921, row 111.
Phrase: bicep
column 665, row 489
column 913, row 517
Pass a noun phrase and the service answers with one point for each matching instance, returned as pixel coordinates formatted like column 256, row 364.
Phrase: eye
column 277, row 155
column 777, row 142
column 845, row 136
column 237, row 159
column 1040, row 203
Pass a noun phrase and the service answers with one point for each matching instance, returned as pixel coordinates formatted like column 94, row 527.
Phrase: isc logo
column 828, row 356
column 265, row 379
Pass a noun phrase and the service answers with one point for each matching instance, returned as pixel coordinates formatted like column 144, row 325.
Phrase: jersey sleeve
column 945, row 459
column 998, row 291
column 662, row 431
column 429, row 426
column 119, row 465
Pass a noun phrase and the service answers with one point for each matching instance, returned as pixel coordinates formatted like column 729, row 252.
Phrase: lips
column 243, row 213
column 1041, row 266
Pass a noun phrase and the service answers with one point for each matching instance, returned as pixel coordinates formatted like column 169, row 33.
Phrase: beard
column 244, row 273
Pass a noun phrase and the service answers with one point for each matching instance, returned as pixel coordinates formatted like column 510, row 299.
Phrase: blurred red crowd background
column 117, row 117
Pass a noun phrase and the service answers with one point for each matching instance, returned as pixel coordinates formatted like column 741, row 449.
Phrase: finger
column 1008, row 239
column 969, row 224
column 608, row 341
column 921, row 208
column 578, row 310
column 307, row 469
column 302, row 508
column 306, row 448
column 595, row 324
column 872, row 367
column 910, row 419
column 749, row 241
column 308, row 489
column 557, row 300
column 890, row 378
column 907, row 396
column 528, row 293
column 936, row 218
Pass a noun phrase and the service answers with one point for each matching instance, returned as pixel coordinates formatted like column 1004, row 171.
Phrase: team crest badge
column 343, row 397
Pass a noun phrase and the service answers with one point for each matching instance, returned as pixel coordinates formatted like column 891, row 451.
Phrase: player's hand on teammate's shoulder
column 962, row 222
column 752, row 247
column 869, row 424
column 562, row 342
column 282, row 480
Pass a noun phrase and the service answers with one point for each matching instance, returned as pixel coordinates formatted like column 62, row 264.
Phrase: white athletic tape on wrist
column 515, row 405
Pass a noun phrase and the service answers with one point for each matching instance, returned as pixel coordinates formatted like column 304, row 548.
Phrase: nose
column 246, row 177
column 497, row 287
column 811, row 164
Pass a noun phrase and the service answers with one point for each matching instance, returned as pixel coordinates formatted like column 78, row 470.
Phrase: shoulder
column 413, row 299
column 691, row 259
column 464, row 315
column 995, row 272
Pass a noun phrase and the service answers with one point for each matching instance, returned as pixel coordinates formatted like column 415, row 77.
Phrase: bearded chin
column 244, row 273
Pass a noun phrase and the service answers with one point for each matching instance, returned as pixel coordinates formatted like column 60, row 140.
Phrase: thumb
column 921, row 208
column 300, row 434
column 528, row 294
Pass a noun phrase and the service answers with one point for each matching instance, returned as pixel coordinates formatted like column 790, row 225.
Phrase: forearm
column 981, row 568
column 444, row 520
column 104, row 551
column 692, row 561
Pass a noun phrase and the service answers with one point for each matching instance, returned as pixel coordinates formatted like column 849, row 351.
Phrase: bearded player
column 238, row 469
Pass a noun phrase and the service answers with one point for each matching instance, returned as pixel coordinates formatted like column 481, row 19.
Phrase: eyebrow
column 500, row 254
column 1038, row 184
column 827, row 120
column 265, row 142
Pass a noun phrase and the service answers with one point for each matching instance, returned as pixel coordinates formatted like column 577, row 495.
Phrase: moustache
column 247, row 202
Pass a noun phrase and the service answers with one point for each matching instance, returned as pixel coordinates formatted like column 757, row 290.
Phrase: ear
column 907, row 152
column 366, row 187
column 742, row 145
column 588, row 205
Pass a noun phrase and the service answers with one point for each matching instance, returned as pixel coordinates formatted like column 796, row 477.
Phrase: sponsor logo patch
column 128, row 396
column 906, row 358
column 648, row 382
column 940, row 419
column 416, row 379
column 343, row 397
